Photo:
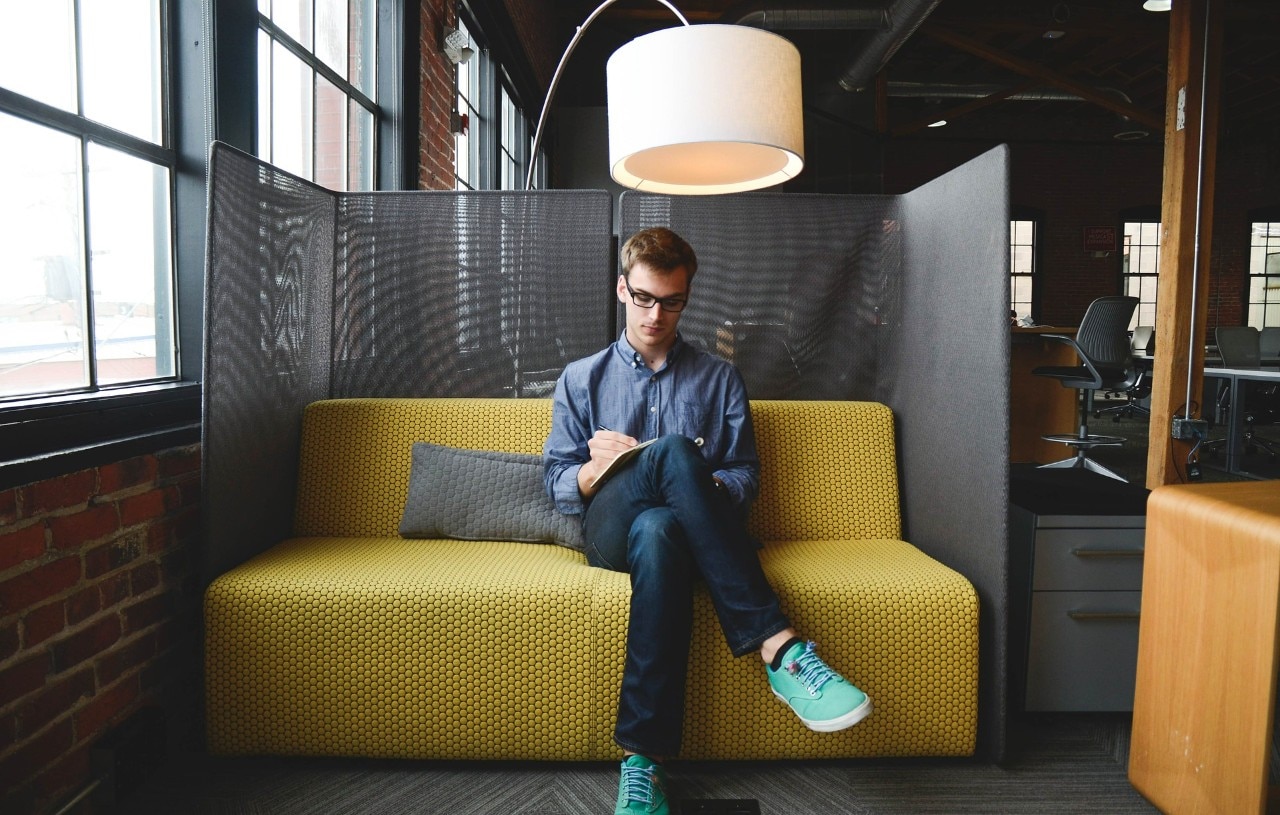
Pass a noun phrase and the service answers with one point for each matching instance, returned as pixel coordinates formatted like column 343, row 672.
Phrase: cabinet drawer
column 1083, row 652
column 1088, row 560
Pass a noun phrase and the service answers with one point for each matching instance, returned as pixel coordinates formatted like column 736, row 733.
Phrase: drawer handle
column 1081, row 614
column 1109, row 553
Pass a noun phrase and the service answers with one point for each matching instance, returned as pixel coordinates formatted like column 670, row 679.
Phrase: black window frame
column 210, row 48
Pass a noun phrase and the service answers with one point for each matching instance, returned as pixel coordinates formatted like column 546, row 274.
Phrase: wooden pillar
column 1195, row 49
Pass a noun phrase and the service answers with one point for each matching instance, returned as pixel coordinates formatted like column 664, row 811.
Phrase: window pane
column 264, row 95
column 291, row 113
column 331, row 34
column 37, row 51
column 130, row 267
column 364, row 32
column 331, row 135
column 360, row 151
column 42, row 302
column 294, row 17
column 120, row 42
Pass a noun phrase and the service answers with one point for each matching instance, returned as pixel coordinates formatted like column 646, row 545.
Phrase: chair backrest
column 1269, row 342
column 1141, row 342
column 1239, row 346
column 1103, row 335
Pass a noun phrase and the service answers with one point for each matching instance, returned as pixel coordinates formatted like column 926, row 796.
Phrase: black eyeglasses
column 646, row 300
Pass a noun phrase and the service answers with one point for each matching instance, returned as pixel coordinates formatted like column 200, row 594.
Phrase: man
column 675, row 513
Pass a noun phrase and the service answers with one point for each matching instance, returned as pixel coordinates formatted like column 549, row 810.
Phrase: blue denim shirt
column 694, row 394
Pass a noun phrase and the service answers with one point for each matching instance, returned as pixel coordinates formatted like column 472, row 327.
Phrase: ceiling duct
column 890, row 26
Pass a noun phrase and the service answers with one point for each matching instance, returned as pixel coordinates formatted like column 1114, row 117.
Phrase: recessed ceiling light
column 1131, row 135
column 939, row 123
column 1158, row 5
column 1054, row 34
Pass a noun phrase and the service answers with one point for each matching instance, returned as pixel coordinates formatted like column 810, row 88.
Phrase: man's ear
column 621, row 289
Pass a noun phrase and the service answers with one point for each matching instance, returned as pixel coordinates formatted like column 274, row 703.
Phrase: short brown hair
column 661, row 250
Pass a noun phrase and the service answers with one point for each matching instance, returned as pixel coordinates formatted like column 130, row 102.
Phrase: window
column 316, row 88
column 492, row 135
column 1022, row 266
column 1141, row 268
column 86, row 222
column 1264, row 275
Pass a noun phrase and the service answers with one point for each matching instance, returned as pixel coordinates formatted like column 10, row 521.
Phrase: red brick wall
column 99, row 615
column 435, row 139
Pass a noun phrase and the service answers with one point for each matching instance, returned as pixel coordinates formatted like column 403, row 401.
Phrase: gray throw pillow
column 483, row 495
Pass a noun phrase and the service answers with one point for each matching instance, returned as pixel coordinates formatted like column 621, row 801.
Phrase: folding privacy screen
column 902, row 299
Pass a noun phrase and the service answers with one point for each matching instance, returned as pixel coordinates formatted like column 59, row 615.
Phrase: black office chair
column 1269, row 343
column 1138, row 384
column 1106, row 362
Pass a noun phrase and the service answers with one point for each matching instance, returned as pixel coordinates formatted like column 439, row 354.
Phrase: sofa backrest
column 828, row 469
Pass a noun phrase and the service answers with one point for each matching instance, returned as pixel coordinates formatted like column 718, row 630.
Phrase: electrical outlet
column 1185, row 429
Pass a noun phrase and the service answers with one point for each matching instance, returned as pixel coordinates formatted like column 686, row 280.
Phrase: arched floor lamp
column 698, row 109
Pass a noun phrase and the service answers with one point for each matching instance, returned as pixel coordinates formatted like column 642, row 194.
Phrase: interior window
column 1264, row 275
column 1141, row 268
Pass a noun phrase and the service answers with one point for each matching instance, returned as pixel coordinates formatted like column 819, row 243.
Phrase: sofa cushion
column 482, row 495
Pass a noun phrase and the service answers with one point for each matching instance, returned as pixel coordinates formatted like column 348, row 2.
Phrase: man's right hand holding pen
column 605, row 446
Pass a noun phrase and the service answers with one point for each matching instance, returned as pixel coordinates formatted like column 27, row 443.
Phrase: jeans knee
column 680, row 451
column 657, row 542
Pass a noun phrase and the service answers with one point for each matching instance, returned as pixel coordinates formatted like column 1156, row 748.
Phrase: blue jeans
column 662, row 520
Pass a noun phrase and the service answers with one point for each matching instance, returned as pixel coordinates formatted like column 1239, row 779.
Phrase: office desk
column 1207, row 657
column 1238, row 382
column 1037, row 404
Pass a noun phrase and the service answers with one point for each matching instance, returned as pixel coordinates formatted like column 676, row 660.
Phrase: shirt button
column 653, row 410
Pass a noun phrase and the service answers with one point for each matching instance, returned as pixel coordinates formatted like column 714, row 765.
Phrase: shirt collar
column 632, row 357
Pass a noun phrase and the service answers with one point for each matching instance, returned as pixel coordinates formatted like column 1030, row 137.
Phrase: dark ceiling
column 1004, row 70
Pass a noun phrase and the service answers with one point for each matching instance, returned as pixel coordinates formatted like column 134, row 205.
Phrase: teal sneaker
column 823, row 699
column 642, row 789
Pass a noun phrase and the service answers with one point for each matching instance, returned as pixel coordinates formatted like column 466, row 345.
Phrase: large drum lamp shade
column 705, row 109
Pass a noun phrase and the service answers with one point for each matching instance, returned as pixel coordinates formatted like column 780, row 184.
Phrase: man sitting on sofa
column 675, row 513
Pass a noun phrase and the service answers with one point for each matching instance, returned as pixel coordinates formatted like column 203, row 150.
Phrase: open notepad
column 620, row 462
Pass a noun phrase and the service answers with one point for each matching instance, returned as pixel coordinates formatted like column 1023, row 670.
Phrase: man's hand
column 605, row 446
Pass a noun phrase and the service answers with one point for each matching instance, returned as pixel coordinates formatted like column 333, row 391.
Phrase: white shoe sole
column 844, row 722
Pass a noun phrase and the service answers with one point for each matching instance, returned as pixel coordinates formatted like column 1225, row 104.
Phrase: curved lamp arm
column 555, row 80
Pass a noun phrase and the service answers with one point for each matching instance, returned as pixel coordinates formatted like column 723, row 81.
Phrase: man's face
column 652, row 331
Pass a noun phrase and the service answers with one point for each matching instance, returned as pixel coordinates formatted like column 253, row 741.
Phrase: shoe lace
column 638, row 784
column 810, row 670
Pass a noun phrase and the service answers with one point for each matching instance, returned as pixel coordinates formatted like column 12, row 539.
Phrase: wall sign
column 1099, row 239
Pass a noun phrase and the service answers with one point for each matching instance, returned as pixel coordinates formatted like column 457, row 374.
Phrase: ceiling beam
column 956, row 112
column 1035, row 71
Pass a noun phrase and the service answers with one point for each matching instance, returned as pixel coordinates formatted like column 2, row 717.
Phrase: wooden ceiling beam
column 958, row 111
column 1035, row 71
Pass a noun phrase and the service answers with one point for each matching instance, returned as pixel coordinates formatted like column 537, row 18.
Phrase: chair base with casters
column 1084, row 441
column 1102, row 345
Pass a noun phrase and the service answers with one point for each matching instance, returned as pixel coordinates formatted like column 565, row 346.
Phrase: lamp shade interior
column 705, row 109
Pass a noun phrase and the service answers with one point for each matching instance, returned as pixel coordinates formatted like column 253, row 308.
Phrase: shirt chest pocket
column 693, row 419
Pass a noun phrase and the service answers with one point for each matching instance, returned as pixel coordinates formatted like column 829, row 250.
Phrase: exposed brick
column 64, row 491
column 97, row 521
column 147, row 506
column 114, row 589
column 9, row 639
column 41, row 583
column 18, row 680
column 111, row 556
column 180, row 461
column 83, row 604
column 38, row 753
column 43, row 622
column 19, row 545
column 144, row 577
column 85, row 643
column 146, row 613
column 8, row 506
column 62, row 776
column 106, row 707
column 116, row 662
column 53, row 700
column 123, row 475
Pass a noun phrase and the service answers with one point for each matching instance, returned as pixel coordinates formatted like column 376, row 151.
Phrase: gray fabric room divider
column 312, row 294
column 901, row 299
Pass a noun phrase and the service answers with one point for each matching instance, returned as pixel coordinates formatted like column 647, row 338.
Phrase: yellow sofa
column 347, row 639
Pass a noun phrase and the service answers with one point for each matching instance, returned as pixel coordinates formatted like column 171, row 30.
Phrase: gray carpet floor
column 1057, row 764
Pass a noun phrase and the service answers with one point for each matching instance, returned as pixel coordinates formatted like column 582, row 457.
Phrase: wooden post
column 1195, row 48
